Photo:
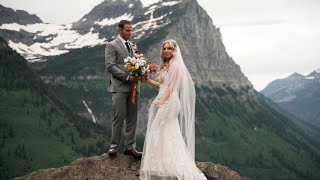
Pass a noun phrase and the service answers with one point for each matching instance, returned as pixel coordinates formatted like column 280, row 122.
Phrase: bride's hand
column 158, row 102
column 144, row 79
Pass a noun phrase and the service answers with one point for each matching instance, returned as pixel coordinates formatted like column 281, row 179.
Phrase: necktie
column 128, row 46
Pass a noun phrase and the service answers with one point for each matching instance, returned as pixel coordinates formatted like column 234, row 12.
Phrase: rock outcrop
column 121, row 167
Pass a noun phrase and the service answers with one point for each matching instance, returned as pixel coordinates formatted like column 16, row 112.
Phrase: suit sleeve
column 111, row 60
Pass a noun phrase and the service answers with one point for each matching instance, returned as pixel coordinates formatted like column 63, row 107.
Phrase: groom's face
column 126, row 31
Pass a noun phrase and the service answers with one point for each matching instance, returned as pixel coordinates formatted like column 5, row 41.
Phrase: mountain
column 8, row 15
column 299, row 95
column 235, row 125
column 37, row 130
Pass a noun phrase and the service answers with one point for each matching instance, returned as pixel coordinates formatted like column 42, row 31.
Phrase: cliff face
column 121, row 167
column 202, row 48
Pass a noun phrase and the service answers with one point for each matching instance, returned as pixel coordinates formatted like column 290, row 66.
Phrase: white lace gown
column 165, row 154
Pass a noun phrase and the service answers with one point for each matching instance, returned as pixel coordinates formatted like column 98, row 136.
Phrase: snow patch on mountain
column 147, row 3
column 43, row 29
column 172, row 3
column 112, row 21
column 59, row 39
column 151, row 24
column 310, row 78
column 35, row 51
column 151, row 9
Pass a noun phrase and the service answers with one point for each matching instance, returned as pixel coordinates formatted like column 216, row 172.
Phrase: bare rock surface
column 121, row 167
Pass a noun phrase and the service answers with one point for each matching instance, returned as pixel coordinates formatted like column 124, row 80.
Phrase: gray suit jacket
column 115, row 53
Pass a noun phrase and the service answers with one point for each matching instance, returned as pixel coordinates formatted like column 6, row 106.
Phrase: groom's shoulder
column 114, row 41
column 111, row 43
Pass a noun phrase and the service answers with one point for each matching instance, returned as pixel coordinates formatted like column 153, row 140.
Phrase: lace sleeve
column 173, row 79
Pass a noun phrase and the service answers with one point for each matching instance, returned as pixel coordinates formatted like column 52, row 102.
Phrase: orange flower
column 153, row 68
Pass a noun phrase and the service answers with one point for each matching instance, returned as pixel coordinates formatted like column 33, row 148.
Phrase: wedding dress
column 169, row 143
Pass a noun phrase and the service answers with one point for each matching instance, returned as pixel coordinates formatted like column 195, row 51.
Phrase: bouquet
column 137, row 66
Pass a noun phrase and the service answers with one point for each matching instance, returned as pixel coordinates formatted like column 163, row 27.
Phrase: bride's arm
column 166, row 95
column 173, row 83
column 152, row 82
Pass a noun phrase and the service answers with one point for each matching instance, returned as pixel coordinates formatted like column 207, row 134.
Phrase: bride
column 170, row 138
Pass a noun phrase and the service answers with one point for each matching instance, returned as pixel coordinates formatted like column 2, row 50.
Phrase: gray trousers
column 124, row 112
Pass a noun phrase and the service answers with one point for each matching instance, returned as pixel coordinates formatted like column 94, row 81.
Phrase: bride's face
column 167, row 51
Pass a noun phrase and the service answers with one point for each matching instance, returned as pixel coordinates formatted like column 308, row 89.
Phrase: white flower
column 137, row 65
column 134, row 47
column 133, row 61
column 144, row 69
column 142, row 63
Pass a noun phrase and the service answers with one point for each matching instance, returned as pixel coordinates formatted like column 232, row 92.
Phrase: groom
column 124, row 111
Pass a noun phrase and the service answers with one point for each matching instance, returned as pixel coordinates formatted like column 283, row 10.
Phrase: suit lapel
column 122, row 47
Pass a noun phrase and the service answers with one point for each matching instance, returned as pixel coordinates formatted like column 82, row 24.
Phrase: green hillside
column 37, row 130
column 252, row 138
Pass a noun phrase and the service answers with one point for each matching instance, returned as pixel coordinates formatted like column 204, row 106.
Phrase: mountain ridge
column 8, row 15
column 297, row 94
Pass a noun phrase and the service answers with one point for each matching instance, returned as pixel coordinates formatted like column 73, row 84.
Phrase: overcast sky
column 269, row 39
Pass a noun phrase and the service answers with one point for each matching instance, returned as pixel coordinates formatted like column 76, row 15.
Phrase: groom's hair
column 122, row 23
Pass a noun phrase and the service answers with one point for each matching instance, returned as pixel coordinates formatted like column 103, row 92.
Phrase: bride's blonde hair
column 173, row 44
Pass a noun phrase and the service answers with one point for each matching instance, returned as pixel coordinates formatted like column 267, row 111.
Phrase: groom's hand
column 134, row 78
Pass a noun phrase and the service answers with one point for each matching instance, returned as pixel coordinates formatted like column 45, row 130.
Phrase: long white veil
column 187, row 96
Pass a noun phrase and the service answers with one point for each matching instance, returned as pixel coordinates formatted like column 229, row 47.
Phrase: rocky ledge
column 121, row 167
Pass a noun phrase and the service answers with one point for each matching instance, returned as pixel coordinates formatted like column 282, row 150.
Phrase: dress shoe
column 112, row 152
column 134, row 153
